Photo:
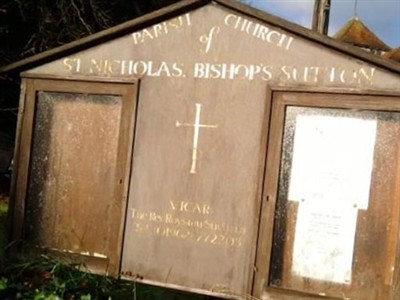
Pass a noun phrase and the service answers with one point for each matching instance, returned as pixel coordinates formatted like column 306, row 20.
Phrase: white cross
column 196, row 131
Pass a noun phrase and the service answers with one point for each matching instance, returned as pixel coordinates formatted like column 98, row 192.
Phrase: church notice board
column 206, row 178
column 333, row 174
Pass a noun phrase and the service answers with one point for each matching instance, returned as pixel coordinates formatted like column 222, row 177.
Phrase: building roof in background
column 358, row 34
column 393, row 54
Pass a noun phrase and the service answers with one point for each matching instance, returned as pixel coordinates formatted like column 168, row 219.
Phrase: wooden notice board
column 250, row 141
column 75, row 169
column 333, row 214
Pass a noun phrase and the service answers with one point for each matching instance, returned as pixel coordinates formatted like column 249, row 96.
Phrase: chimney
column 321, row 16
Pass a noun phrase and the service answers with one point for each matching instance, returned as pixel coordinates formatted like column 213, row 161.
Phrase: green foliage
column 42, row 296
column 3, row 283
column 3, row 223
column 3, row 208
column 47, row 278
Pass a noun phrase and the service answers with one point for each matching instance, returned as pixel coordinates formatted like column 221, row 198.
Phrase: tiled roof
column 393, row 54
column 358, row 34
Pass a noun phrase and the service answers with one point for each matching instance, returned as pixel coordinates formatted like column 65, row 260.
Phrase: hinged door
column 73, row 168
column 331, row 225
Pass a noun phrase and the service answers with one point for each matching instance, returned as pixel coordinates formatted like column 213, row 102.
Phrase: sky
column 380, row 16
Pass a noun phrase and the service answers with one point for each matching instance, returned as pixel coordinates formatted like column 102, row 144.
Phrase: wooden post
column 321, row 16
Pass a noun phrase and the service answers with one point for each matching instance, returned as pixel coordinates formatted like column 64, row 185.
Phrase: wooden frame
column 128, row 91
column 338, row 99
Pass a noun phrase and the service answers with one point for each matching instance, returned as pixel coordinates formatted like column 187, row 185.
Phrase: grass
column 3, row 224
column 47, row 278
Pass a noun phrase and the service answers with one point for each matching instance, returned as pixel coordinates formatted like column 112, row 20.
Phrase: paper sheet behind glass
column 330, row 177
column 324, row 242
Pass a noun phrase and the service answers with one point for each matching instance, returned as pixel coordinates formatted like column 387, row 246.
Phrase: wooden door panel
column 195, row 193
column 74, row 156
column 364, row 232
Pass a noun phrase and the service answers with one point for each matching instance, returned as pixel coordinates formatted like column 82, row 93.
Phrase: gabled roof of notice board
column 180, row 8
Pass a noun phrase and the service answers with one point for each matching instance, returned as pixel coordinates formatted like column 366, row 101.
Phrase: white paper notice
column 331, row 177
column 332, row 160
column 324, row 243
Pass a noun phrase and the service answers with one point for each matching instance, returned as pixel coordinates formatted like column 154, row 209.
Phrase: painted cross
column 196, row 132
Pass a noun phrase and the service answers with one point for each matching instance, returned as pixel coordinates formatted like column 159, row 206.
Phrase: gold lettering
column 255, row 30
column 286, row 72
column 169, row 219
column 267, row 74
column 188, row 21
column 176, row 23
column 139, row 215
column 165, row 26
column 341, row 76
column 140, row 67
column 305, row 74
column 124, row 68
column 310, row 74
column 163, row 69
column 316, row 73
column 246, row 26
column 158, row 30
column 258, row 31
column 68, row 64
column 136, row 36
column 332, row 75
column 227, row 18
column 72, row 64
column 225, row 71
column 97, row 65
column 155, row 217
column 262, row 33
column 289, row 43
column 363, row 74
column 146, row 33
column 78, row 65
column 282, row 40
column 237, row 22
column 191, row 207
column 271, row 33
column 198, row 231
column 114, row 67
